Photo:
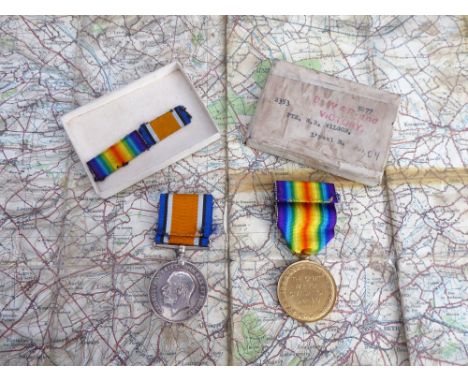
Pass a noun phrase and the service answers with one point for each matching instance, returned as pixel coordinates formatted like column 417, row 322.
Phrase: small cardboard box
column 325, row 122
column 96, row 126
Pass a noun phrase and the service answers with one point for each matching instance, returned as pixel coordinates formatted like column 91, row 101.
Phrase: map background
column 74, row 269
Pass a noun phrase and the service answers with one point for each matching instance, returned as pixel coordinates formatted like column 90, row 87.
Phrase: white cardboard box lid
column 305, row 116
column 99, row 124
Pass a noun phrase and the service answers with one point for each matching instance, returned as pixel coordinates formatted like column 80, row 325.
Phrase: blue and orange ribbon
column 306, row 214
column 185, row 219
column 137, row 142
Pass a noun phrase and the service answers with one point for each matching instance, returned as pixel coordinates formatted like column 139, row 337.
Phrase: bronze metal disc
column 307, row 291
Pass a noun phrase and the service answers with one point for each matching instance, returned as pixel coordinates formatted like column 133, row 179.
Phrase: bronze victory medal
column 306, row 291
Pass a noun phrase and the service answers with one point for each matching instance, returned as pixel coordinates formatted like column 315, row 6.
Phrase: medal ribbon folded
column 185, row 219
column 306, row 214
column 137, row 142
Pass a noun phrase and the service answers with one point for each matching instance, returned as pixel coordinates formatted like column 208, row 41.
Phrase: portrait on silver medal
column 178, row 291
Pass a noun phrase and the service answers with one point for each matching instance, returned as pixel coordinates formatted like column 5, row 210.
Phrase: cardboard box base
column 96, row 126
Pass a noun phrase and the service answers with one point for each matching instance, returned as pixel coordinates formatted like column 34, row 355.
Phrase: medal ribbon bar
column 137, row 142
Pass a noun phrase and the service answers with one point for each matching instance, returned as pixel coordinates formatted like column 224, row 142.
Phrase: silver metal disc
column 177, row 291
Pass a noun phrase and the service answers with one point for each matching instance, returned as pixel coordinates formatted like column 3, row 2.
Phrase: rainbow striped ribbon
column 137, row 142
column 306, row 214
column 185, row 219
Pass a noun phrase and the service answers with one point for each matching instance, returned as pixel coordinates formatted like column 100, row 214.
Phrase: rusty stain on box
column 325, row 122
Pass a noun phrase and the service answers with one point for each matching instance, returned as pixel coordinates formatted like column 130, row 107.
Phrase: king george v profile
column 177, row 291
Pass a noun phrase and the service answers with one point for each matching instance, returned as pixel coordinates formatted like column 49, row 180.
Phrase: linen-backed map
column 75, row 269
